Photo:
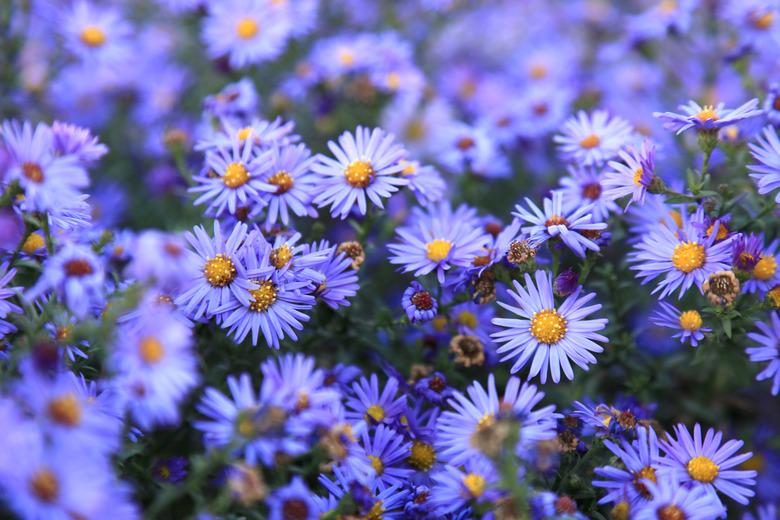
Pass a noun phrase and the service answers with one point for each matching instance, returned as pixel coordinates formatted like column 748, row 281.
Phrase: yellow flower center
column 620, row 511
column 475, row 484
column 723, row 231
column 282, row 180
column 467, row 319
column 676, row 217
column 263, row 297
column 376, row 512
column 707, row 113
column 688, row 256
column 236, row 175
column 591, row 141
column 377, row 464
column 219, row 271
column 638, row 173
column 151, row 350
column 774, row 296
column 32, row 172
column 556, row 220
column 281, row 256
column 92, row 36
column 690, row 320
column 486, row 421
column 538, row 71
column 646, row 473
column 422, row 456
column 393, row 81
column 702, row 469
column 766, row 268
column 346, row 57
column 247, row 28
column 33, row 243
column 375, row 412
column 44, row 485
column 671, row 512
column 548, row 327
column 65, row 410
column 359, row 174
column 409, row 168
column 438, row 249
column 244, row 133
column 763, row 21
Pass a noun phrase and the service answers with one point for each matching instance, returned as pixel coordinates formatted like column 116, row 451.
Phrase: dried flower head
column 721, row 288
column 468, row 350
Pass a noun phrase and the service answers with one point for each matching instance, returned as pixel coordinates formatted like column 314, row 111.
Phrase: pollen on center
column 548, row 327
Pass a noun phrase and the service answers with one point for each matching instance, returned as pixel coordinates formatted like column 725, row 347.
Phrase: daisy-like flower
column 707, row 464
column 217, row 275
column 289, row 172
column 685, row 254
column 670, row 500
column 585, row 186
column 95, row 33
column 575, row 228
column 155, row 366
column 387, row 452
column 6, row 307
column 74, row 140
column 455, row 430
column 384, row 503
column 548, row 336
column 157, row 258
column 641, row 461
column 592, row 139
column 764, row 275
column 455, row 489
column 293, row 260
column 767, row 152
column 419, row 303
column 246, row 31
column 768, row 339
column 233, row 178
column 707, row 118
column 438, row 239
column 274, row 304
column 366, row 166
column 292, row 501
column 338, row 280
column 367, row 403
column 51, row 183
column 689, row 323
column 425, row 182
column 632, row 175
column 76, row 274
column 264, row 134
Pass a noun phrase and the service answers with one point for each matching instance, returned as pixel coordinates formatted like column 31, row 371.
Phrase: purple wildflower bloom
column 419, row 303
column 707, row 118
column 555, row 222
column 96, row 34
column 585, row 186
column 689, row 323
column 292, row 500
column 707, row 464
column 641, row 461
column 673, row 500
column 74, row 140
column 768, row 339
column 6, row 307
column 434, row 388
column 366, row 165
column 592, row 139
column 547, row 335
column 455, row 489
column 170, row 469
column 767, row 152
column 632, row 176
column 339, row 280
column 764, row 275
column 367, row 403
column 746, row 251
column 387, row 452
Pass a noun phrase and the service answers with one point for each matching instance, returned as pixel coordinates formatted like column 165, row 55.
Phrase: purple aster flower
column 246, row 31
column 157, row 259
column 466, row 148
column 233, row 178
column 170, row 469
column 369, row 404
column 575, row 228
column 684, row 254
column 585, row 186
column 74, row 140
column 293, row 260
column 764, row 275
column 482, row 408
column 289, row 172
column 499, row 245
column 6, row 307
column 707, row 118
column 768, row 339
column 155, row 366
column 272, row 303
column 387, row 452
column 293, row 500
column 640, row 459
column 419, row 303
column 264, row 134
column 671, row 500
column 746, row 251
column 632, row 175
column 706, row 464
column 51, row 183
column 217, row 274
column 455, row 489
column 689, row 323
column 592, row 139
column 258, row 427
column 425, row 182
column 548, row 336
column 767, row 152
column 338, row 280
column 387, row 502
column 239, row 100
column 566, row 283
column 95, row 33
column 438, row 239
column 366, row 165
column 433, row 388
column 76, row 274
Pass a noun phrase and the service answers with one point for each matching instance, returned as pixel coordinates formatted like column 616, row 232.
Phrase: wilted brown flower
column 520, row 251
column 353, row 250
column 485, row 287
column 247, row 484
column 721, row 288
column 468, row 350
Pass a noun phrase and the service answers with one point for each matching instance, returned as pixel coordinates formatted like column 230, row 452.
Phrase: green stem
column 47, row 234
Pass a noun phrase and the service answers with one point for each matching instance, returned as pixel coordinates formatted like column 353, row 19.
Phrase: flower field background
column 303, row 259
